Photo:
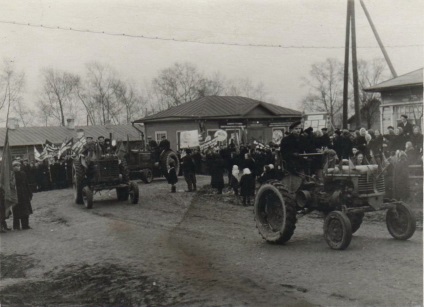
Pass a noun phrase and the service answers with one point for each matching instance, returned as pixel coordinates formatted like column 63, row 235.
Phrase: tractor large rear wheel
column 275, row 213
column 77, row 181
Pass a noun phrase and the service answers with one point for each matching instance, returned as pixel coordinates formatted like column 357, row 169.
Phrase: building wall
column 172, row 128
column 248, row 131
column 406, row 101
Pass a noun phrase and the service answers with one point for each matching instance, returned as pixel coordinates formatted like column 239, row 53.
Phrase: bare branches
column 11, row 87
column 58, row 95
column 325, row 82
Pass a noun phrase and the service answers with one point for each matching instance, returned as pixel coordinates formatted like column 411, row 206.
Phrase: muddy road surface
column 196, row 249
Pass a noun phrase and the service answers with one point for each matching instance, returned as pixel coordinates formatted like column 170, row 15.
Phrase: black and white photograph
column 211, row 153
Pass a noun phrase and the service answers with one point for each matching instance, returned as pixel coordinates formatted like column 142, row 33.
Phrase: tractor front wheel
column 400, row 222
column 337, row 230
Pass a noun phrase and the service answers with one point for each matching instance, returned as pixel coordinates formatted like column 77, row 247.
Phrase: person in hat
column 189, row 170
column 164, row 144
column 23, row 209
column 406, row 127
column 290, row 147
column 101, row 142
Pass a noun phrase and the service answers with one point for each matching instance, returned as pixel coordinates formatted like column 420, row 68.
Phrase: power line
column 59, row 28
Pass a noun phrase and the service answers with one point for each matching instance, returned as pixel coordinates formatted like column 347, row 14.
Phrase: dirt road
column 196, row 249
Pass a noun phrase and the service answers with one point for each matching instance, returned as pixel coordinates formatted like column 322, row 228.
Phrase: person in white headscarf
column 247, row 187
column 235, row 179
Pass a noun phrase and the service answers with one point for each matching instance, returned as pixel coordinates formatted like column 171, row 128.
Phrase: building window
column 159, row 135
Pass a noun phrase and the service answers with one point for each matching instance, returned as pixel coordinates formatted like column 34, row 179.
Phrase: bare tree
column 11, row 85
column 99, row 96
column 182, row 83
column 59, row 94
column 326, row 90
column 23, row 113
column 370, row 73
column 132, row 103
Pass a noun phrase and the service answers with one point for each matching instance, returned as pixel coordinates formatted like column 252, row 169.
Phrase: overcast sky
column 296, row 23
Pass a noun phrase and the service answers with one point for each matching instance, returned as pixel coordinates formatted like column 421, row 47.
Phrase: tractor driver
column 164, row 144
column 290, row 147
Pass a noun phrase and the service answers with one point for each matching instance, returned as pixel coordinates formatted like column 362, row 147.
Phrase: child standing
column 247, row 186
column 172, row 177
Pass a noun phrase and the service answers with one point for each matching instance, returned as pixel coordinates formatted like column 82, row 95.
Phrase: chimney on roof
column 70, row 123
column 12, row 123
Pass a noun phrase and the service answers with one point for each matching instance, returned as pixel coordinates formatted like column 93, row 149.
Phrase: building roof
column 411, row 79
column 218, row 107
column 25, row 136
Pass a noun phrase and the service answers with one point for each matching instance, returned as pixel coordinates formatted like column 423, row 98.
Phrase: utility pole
column 355, row 69
column 346, row 67
column 351, row 30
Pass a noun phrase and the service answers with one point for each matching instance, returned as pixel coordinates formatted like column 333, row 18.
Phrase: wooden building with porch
column 400, row 95
column 244, row 119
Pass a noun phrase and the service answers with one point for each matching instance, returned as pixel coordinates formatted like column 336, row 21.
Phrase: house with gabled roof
column 244, row 119
column 22, row 140
column 400, row 95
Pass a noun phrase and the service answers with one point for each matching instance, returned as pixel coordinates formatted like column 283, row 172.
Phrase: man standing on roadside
column 406, row 127
column 189, row 171
column 23, row 208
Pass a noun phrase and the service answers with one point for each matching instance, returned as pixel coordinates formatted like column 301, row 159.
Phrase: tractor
column 96, row 168
column 146, row 163
column 343, row 194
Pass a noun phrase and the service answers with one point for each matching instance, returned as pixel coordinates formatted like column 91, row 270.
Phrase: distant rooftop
column 414, row 78
column 26, row 136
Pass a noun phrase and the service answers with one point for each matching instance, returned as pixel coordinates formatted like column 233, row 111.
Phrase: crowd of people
column 247, row 166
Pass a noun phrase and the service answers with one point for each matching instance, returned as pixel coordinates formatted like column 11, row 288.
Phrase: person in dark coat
column 164, row 144
column 23, row 209
column 3, row 214
column 325, row 139
column 216, row 170
column 247, row 187
column 189, row 171
column 406, row 127
column 249, row 163
column 172, row 176
column 266, row 175
column 346, row 145
column 291, row 147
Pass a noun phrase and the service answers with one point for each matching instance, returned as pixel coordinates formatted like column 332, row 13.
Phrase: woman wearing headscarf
column 235, row 179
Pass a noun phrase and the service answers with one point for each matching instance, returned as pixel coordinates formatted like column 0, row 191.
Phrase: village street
column 196, row 249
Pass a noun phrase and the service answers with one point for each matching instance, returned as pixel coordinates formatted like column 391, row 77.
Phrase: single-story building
column 400, row 95
column 244, row 119
column 22, row 140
